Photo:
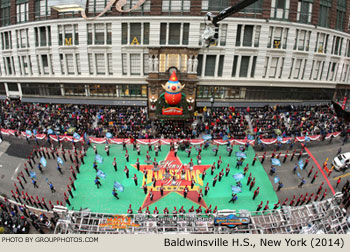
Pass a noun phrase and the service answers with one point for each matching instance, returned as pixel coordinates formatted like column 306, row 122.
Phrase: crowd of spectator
column 133, row 122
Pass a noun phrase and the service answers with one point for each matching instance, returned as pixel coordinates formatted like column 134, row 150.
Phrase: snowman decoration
column 173, row 90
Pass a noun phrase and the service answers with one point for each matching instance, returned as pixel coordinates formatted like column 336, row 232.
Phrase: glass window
column 323, row 19
column 74, row 90
column 125, row 63
column 248, row 35
column 221, row 65
column 5, row 12
column 22, row 11
column 12, row 87
column 106, row 90
column 215, row 5
column 234, row 68
column 163, row 31
column 100, row 63
column 243, row 72
column 200, row 65
column 146, row 33
column 210, row 65
column 99, row 34
column 174, row 33
column 135, row 33
column 124, row 33
column 186, row 31
column 2, row 89
column 135, row 64
column 176, row 5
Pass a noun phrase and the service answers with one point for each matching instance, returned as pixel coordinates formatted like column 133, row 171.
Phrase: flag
column 241, row 155
column 207, row 137
column 301, row 164
column 276, row 179
column 236, row 189
column 307, row 139
column 32, row 174
column 238, row 176
column 250, row 137
column 28, row 132
column 76, row 136
column 34, row 132
column 50, row 132
column 298, row 174
column 101, row 174
column 43, row 161
column 59, row 160
column 109, row 135
column 99, row 158
column 225, row 138
column 279, row 139
column 118, row 186
column 275, row 161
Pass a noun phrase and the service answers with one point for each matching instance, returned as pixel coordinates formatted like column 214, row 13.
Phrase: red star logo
column 174, row 181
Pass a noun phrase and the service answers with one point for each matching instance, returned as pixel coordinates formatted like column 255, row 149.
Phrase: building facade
column 274, row 50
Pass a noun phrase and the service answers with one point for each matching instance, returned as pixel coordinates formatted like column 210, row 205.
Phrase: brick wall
column 196, row 7
column 315, row 10
column 333, row 15
column 13, row 12
column 293, row 9
column 31, row 9
column 266, row 9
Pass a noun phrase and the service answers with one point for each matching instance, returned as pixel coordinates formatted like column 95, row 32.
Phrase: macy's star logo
column 170, row 174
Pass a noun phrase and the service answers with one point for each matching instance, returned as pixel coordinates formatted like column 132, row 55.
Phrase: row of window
column 280, row 9
column 263, row 93
column 99, row 90
column 174, row 34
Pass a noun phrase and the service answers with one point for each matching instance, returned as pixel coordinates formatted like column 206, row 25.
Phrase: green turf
column 101, row 200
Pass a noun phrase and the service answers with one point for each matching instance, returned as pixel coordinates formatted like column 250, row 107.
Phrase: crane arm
column 211, row 33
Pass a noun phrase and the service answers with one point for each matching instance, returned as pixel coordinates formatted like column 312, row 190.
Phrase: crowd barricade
column 97, row 140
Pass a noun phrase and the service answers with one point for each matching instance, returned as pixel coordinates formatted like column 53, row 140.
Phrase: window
column 234, row 68
column 74, row 90
column 248, row 34
column 5, row 12
column 91, row 63
column 304, row 11
column 132, row 90
column 100, row 63
column 210, row 65
column 22, row 11
column 139, row 33
column 135, row 64
column 70, row 64
column 97, row 6
column 77, row 56
column 110, row 63
column 22, row 38
column 6, row 39
column 99, row 34
column 278, row 37
column 42, row 36
column 337, row 45
column 2, row 89
column 220, row 92
column 341, row 9
column 254, row 8
column 273, row 67
column 200, row 65
column 135, row 33
column 174, row 33
column 297, row 67
column 45, row 63
column 125, row 63
column 145, row 63
column 323, row 18
column 106, row 90
column 176, row 5
column 42, row 8
column 321, row 42
column 215, row 5
column 146, row 7
column 68, row 35
column 279, row 9
column 223, row 34
column 243, row 71
column 302, row 40
column 221, row 65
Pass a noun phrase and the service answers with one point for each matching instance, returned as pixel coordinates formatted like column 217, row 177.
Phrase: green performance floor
column 101, row 200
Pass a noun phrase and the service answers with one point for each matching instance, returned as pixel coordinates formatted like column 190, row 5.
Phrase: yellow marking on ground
column 342, row 176
column 296, row 187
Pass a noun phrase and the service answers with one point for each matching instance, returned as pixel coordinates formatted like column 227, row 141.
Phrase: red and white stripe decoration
column 96, row 140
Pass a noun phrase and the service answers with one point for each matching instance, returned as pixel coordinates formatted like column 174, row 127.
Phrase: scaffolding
column 324, row 217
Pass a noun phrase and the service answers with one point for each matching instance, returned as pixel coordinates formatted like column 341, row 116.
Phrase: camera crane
column 210, row 35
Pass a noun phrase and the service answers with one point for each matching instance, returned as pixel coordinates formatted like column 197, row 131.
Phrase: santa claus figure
column 173, row 89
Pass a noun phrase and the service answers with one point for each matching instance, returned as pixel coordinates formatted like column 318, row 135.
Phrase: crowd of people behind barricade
column 133, row 122
column 290, row 120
